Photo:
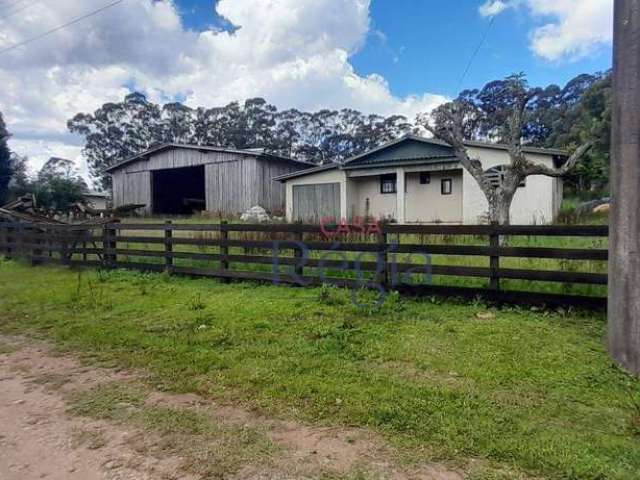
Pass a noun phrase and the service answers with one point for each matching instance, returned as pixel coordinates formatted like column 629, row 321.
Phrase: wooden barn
column 182, row 179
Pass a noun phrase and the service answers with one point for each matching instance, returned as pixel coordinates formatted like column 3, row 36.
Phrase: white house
column 96, row 200
column 418, row 180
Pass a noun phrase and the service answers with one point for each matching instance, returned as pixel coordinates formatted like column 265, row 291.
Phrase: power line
column 475, row 52
column 60, row 27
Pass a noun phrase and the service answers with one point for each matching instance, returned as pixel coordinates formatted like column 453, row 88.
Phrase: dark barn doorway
column 179, row 191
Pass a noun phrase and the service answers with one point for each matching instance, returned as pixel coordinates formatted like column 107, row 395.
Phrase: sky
column 378, row 56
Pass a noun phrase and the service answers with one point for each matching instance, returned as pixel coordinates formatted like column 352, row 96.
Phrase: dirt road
column 64, row 420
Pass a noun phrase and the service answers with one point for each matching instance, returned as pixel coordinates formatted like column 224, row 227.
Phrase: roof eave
column 304, row 173
column 398, row 163
column 164, row 146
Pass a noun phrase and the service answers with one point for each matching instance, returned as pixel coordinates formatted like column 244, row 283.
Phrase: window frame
column 425, row 178
column 388, row 178
column 443, row 182
column 496, row 177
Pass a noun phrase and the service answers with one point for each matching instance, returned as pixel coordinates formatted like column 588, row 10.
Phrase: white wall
column 99, row 203
column 426, row 204
column 536, row 203
column 381, row 205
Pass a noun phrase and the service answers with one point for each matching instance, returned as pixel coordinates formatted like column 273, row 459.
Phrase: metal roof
column 302, row 173
column 166, row 146
column 445, row 148
column 409, row 150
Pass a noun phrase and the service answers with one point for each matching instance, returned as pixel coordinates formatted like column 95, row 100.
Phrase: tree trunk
column 500, row 207
column 503, row 212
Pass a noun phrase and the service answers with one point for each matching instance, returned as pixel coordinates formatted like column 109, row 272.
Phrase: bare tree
column 502, row 114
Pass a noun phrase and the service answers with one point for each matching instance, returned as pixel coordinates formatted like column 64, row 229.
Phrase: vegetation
column 582, row 112
column 501, row 111
column 6, row 170
column 220, row 450
column 57, row 187
column 530, row 390
column 560, row 117
column 569, row 214
column 120, row 130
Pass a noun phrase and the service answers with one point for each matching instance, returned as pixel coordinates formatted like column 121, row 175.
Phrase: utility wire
column 60, row 27
column 475, row 52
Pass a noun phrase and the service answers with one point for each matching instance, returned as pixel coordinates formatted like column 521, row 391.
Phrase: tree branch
column 456, row 141
column 530, row 168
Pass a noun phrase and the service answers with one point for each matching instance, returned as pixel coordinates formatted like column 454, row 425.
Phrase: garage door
column 313, row 202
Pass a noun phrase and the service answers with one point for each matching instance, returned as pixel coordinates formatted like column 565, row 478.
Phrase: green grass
column 450, row 260
column 210, row 449
column 533, row 391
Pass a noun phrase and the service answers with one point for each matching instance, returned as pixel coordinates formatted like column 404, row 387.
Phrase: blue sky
column 425, row 45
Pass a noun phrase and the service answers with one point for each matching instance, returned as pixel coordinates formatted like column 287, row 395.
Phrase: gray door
column 313, row 202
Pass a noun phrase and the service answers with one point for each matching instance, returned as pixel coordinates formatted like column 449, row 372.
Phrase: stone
column 255, row 214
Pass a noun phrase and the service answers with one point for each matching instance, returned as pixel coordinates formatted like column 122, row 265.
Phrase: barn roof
column 253, row 152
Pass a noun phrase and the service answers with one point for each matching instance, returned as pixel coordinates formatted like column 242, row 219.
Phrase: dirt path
column 62, row 420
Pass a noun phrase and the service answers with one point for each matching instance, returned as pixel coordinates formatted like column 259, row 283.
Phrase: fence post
column 297, row 253
column 7, row 241
column 36, row 253
column 15, row 240
column 109, row 245
column 494, row 260
column 224, row 249
column 168, row 248
column 383, row 261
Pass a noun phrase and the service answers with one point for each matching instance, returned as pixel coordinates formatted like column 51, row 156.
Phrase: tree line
column 57, row 186
column 561, row 117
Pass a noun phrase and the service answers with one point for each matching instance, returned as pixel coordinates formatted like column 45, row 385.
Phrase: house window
column 446, row 186
column 496, row 176
column 425, row 178
column 387, row 184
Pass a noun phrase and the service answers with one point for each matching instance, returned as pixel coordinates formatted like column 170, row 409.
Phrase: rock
column 604, row 208
column 589, row 206
column 485, row 315
column 255, row 214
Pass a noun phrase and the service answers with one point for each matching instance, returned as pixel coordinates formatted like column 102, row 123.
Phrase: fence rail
column 459, row 256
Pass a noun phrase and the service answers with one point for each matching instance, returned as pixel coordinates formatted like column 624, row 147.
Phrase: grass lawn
column 531, row 391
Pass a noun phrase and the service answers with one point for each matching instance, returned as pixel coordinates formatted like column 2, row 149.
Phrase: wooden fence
column 465, row 261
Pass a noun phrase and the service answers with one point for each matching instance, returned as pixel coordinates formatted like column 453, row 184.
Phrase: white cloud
column 294, row 53
column 492, row 7
column 569, row 29
column 576, row 32
column 39, row 151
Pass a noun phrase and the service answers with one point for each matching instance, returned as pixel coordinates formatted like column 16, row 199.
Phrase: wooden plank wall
column 234, row 182
column 313, row 202
column 131, row 188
